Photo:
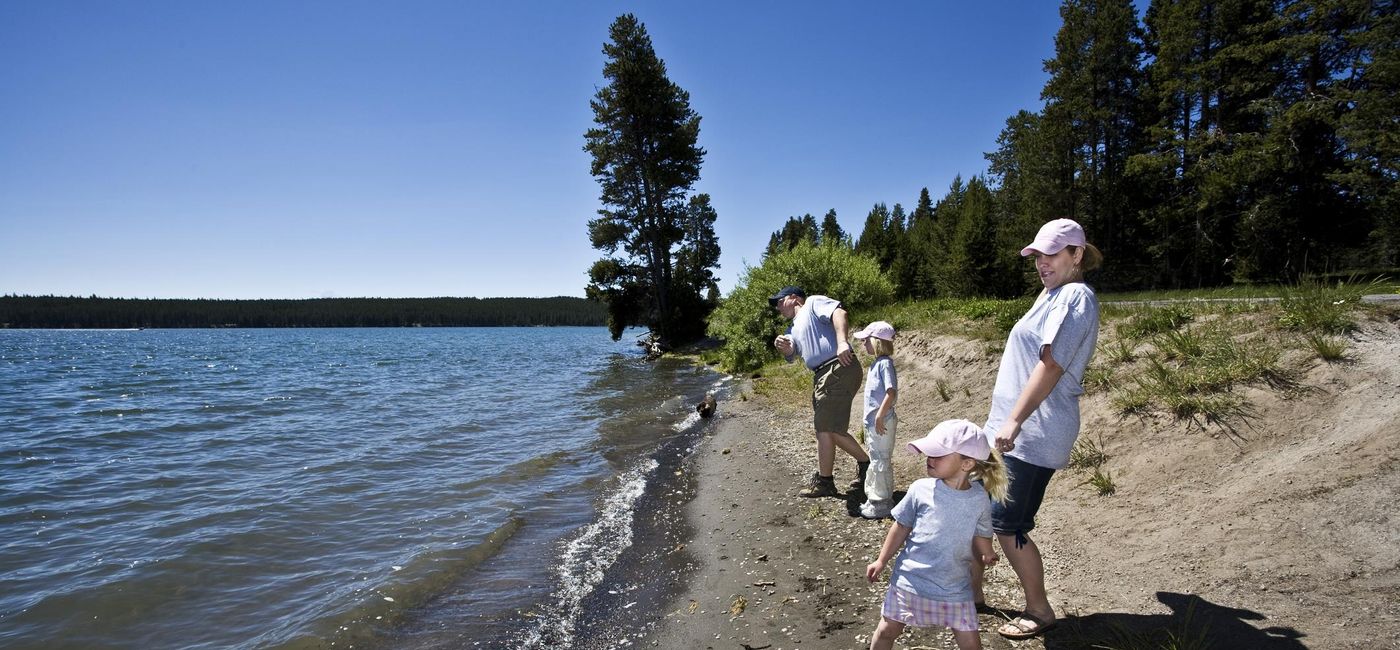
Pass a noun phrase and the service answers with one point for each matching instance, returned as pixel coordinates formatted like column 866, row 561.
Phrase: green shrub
column 747, row 324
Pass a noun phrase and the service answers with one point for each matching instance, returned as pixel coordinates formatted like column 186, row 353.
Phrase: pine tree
column 914, row 252
column 1033, row 169
column 874, row 236
column 1371, row 96
column 832, row 234
column 1094, row 98
column 794, row 232
column 646, row 159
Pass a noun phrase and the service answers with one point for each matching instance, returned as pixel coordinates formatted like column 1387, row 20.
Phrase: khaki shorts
column 834, row 386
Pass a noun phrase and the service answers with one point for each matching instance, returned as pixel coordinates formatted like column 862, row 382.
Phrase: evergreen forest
column 95, row 312
column 1210, row 143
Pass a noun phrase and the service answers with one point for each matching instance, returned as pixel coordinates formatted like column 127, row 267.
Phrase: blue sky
column 334, row 149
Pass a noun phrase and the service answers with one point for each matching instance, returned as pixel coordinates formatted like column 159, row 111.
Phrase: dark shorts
column 834, row 387
column 1024, row 494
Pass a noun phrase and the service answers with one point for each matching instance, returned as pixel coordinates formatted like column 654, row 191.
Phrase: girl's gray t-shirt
column 936, row 561
column 1067, row 319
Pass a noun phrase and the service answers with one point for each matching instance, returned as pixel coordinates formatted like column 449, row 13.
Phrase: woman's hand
column 1006, row 436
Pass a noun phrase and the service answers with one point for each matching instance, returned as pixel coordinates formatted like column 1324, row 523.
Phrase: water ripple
column 255, row 488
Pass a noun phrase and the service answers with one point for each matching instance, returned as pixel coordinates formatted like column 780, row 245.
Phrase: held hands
column 988, row 559
column 1006, row 436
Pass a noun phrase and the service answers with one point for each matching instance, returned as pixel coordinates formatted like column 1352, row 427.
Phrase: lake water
column 308, row 488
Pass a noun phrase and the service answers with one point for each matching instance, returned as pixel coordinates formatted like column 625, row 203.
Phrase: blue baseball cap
column 785, row 292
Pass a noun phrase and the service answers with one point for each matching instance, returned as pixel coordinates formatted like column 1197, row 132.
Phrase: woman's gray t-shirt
column 936, row 561
column 1067, row 319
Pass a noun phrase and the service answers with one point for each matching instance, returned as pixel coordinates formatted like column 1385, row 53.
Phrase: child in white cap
column 881, row 389
column 937, row 528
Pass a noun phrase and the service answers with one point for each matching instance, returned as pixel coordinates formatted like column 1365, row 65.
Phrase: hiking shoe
column 875, row 510
column 820, row 486
column 858, row 484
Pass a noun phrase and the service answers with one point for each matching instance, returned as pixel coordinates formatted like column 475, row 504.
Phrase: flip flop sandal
column 1026, row 625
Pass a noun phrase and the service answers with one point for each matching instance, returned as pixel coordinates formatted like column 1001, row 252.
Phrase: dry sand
column 1282, row 536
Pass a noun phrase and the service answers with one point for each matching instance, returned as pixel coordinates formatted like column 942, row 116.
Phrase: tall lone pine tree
column 659, row 242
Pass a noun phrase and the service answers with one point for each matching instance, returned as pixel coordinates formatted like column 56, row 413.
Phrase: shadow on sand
column 1193, row 623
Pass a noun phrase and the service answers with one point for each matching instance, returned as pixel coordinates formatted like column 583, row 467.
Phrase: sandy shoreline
column 1210, row 535
column 774, row 570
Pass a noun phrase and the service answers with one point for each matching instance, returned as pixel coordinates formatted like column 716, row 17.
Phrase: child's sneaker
column 875, row 509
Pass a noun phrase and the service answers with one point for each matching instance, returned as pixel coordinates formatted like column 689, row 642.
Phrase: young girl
column 881, row 388
column 937, row 528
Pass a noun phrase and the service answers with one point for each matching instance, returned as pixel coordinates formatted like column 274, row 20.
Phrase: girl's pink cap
column 1054, row 236
column 878, row 329
column 953, row 436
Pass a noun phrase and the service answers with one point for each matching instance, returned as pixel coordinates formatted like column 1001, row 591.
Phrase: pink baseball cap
column 954, row 436
column 878, row 329
column 1054, row 236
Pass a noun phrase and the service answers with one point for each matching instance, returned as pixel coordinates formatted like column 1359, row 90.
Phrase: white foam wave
column 587, row 558
column 686, row 423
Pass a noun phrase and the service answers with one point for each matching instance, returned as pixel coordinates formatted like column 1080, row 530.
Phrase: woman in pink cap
column 1034, row 418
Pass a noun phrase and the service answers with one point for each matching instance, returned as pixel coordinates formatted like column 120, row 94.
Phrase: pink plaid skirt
column 913, row 609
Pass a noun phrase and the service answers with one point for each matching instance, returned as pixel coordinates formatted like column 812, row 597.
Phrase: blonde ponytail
column 992, row 473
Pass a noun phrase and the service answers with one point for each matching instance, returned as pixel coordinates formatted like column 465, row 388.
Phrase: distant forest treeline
column 94, row 312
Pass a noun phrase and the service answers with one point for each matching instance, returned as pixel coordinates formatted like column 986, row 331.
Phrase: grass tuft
column 1156, row 321
column 1120, row 351
column 944, row 390
column 1181, row 344
column 1314, row 306
column 1098, row 378
column 1327, row 348
column 1102, row 481
column 1134, row 401
column 1087, row 454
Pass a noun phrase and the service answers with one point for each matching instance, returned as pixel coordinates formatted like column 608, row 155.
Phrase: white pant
column 879, row 479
